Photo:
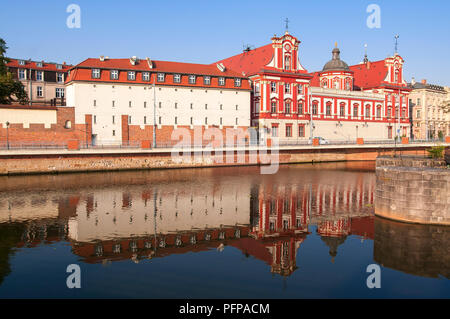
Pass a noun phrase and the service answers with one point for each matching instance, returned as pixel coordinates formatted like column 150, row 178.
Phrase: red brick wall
column 37, row 133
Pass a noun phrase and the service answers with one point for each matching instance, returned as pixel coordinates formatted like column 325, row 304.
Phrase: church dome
column 336, row 64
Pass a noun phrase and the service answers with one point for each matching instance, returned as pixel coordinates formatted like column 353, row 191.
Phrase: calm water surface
column 308, row 231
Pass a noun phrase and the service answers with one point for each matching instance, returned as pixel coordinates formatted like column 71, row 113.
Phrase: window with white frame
column 287, row 107
column 22, row 74
column 21, row 62
column 367, row 111
column 222, row 81
column 287, row 62
column 145, row 76
column 300, row 107
column 287, row 88
column 237, row 82
column 273, row 87
column 192, row 79
column 273, row 107
column 39, row 64
column 39, row 76
column 355, row 110
column 342, row 109
column 177, row 78
column 60, row 77
column 207, row 80
column 59, row 92
column 39, row 92
column 300, row 89
column 378, row 111
column 59, row 66
column 131, row 76
column 160, row 77
column 114, row 74
column 95, row 73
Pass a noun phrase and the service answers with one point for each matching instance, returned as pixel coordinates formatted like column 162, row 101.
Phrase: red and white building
column 367, row 100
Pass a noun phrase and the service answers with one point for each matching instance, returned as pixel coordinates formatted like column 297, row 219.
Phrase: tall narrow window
column 114, row 74
column 273, row 87
column 314, row 108
column 237, row 82
column 287, row 62
column 39, row 92
column 206, row 80
column 145, row 76
column 328, row 109
column 113, row 119
column 367, row 111
column 287, row 107
column 192, row 79
column 160, row 77
column 177, row 78
column 355, row 111
column 22, row 74
column 60, row 77
column 39, row 76
column 221, row 81
column 131, row 75
column 288, row 130
column 95, row 73
column 287, row 88
column 145, row 119
column 342, row 109
column 300, row 107
column 274, row 107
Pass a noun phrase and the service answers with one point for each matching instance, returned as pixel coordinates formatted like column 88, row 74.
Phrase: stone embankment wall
column 413, row 189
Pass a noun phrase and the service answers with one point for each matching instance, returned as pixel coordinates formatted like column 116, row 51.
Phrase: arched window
column 336, row 83
column 324, row 83
column 287, row 107
column 367, row 110
column 396, row 76
column 378, row 111
column 314, row 108
column 342, row 109
column 355, row 110
column 300, row 107
column 328, row 108
column 348, row 84
column 287, row 62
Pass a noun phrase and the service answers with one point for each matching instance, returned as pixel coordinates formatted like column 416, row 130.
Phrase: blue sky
column 207, row 31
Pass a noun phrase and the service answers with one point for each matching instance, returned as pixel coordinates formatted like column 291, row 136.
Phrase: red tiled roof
column 370, row 75
column 82, row 72
column 14, row 63
column 158, row 66
column 250, row 62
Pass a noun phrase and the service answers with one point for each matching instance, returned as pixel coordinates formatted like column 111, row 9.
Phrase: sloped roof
column 370, row 75
column 46, row 66
column 250, row 62
column 159, row 66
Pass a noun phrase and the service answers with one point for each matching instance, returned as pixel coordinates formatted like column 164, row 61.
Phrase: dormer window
column 21, row 62
column 192, row 79
column 114, row 74
column 222, row 81
column 207, row 80
column 160, row 77
column 60, row 77
column 96, row 73
column 237, row 82
column 59, row 66
column 131, row 76
column 145, row 76
column 177, row 78
column 39, row 64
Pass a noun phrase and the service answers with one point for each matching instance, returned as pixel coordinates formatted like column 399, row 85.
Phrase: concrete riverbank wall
column 61, row 161
column 413, row 189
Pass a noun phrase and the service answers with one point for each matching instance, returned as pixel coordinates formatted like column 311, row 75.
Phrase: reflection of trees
column 10, row 236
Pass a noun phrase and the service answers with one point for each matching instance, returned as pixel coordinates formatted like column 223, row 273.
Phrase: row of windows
column 58, row 93
column 288, row 130
column 40, row 76
column 113, row 120
column 287, row 88
column 39, row 64
column 160, row 104
column 161, row 77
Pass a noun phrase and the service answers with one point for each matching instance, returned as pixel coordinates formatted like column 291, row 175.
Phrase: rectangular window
column 367, row 111
column 314, row 109
column 287, row 107
column 145, row 119
column 39, row 92
column 222, row 81
column 355, row 111
column 206, row 106
column 59, row 92
column 160, row 77
column 192, row 120
column 113, row 119
column 22, row 74
column 159, row 120
column 389, row 112
column 301, row 131
column 113, row 103
column 418, row 114
column 114, row 74
column 95, row 119
column 288, row 130
column 145, row 104
column 113, row 133
column 221, row 106
column 96, row 73
column 273, row 87
column 273, row 107
column 300, row 108
column 237, row 82
column 145, row 76
column 287, row 88
column 39, row 76
column 176, row 120
column 206, row 121
column 237, row 107
column 192, row 79
column 328, row 109
column 176, row 105
column 378, row 112
column 129, row 103
column 274, row 131
column 160, row 104
column 177, row 78
column 300, row 89
column 192, row 106
column 220, row 121
column 95, row 102
column 207, row 80
column 342, row 110
column 237, row 121
column 131, row 76
column 60, row 77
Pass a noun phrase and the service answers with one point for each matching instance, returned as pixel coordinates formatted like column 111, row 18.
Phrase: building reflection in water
column 141, row 215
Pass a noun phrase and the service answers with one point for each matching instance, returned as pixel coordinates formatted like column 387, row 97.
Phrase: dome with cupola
column 336, row 64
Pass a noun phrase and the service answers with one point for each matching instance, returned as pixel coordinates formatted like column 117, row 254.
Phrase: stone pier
column 413, row 189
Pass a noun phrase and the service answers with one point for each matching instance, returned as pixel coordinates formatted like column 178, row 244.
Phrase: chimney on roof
column 413, row 81
column 64, row 63
column 149, row 62
column 133, row 60
column 368, row 65
column 424, row 81
column 221, row 67
column 102, row 58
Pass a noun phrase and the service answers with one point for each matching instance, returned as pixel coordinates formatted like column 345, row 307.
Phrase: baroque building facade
column 340, row 102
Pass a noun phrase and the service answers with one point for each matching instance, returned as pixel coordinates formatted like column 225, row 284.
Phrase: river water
column 308, row 231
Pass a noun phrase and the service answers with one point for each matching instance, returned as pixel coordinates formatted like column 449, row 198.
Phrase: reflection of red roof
column 250, row 62
column 363, row 226
column 14, row 63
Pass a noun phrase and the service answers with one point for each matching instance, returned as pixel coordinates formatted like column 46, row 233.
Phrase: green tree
column 11, row 90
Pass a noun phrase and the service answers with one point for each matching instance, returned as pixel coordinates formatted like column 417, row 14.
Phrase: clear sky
column 207, row 31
